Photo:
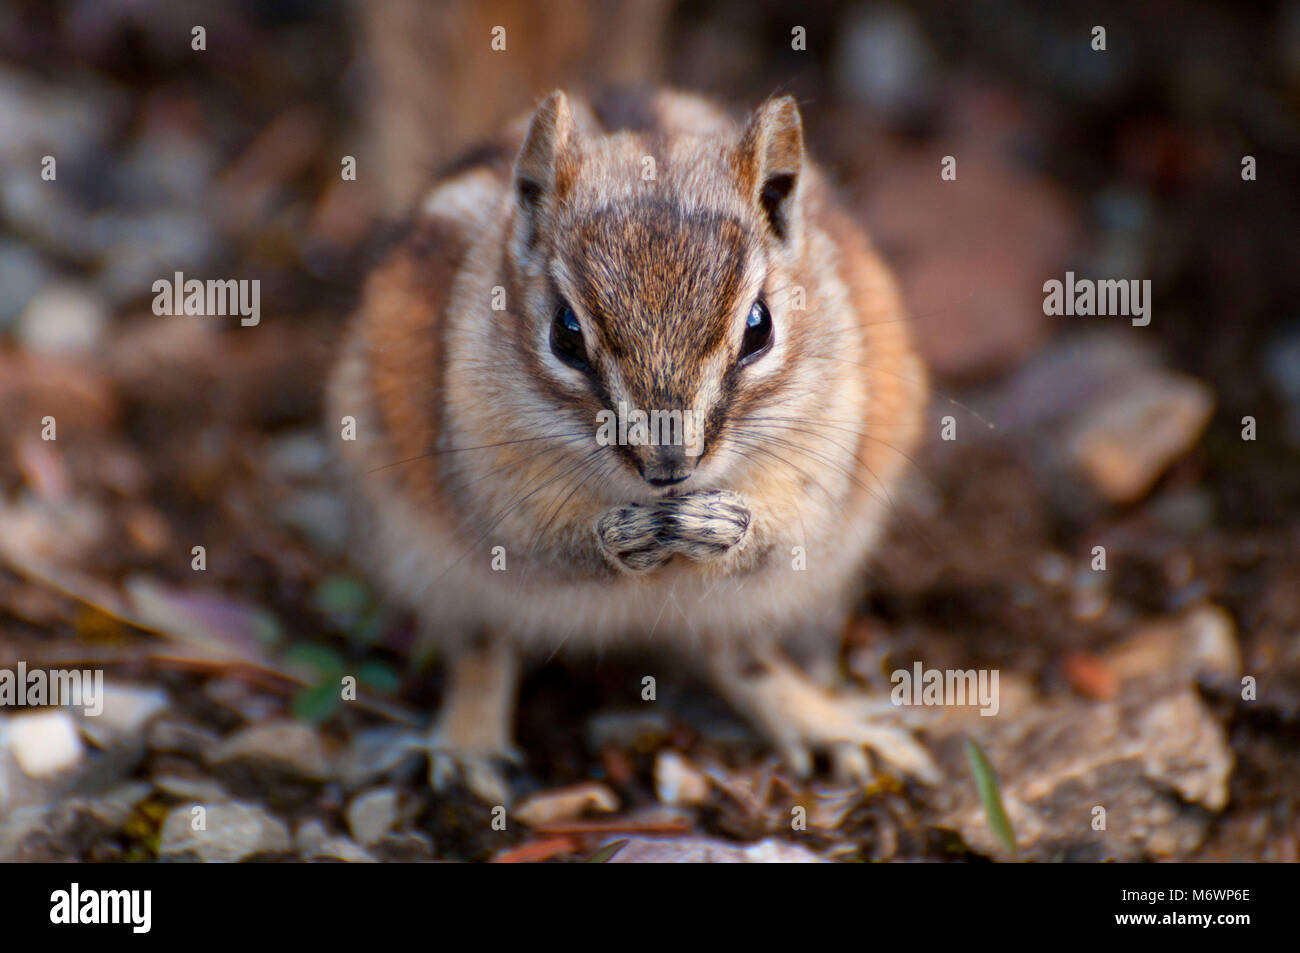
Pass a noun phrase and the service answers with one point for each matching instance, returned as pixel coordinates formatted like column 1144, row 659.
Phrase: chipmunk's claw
column 801, row 718
column 481, row 770
column 846, row 741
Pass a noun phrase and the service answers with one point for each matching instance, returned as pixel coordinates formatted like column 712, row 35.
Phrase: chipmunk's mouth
column 665, row 481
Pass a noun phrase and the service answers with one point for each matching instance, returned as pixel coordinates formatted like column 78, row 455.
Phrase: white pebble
column 44, row 743
column 62, row 319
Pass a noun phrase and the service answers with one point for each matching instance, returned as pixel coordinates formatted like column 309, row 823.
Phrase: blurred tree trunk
column 437, row 85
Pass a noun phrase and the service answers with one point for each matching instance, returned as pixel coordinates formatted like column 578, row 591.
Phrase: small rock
column 564, row 804
column 677, row 781
column 75, row 829
column 700, row 850
column 309, row 835
column 236, row 696
column 1132, row 436
column 140, row 248
column 232, row 832
column 105, row 812
column 1200, row 642
column 22, row 836
column 22, row 274
column 126, row 712
column 299, row 456
column 289, row 747
column 171, row 736
column 377, row 752
column 372, row 815
column 202, row 790
column 61, row 118
column 1053, row 569
column 341, row 849
column 313, row 842
column 1157, row 759
column 1044, row 397
column 62, row 319
column 44, row 743
column 406, row 847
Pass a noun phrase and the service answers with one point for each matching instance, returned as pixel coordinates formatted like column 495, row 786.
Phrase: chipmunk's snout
column 665, row 466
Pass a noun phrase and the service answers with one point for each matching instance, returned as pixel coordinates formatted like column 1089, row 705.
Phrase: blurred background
column 1071, row 432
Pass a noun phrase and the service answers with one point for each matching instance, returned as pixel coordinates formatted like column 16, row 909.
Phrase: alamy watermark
column 212, row 298
column 56, row 687
column 1084, row 296
column 944, row 687
column 75, row 905
column 656, row 428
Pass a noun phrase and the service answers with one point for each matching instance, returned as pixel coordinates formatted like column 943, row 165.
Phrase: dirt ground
column 1161, row 685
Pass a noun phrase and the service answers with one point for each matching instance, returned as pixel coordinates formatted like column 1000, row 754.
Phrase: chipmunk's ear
column 546, row 164
column 771, row 159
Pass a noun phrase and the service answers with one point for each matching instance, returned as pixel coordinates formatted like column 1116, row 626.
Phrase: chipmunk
column 640, row 251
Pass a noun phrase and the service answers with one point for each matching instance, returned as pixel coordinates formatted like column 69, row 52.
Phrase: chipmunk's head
column 658, row 276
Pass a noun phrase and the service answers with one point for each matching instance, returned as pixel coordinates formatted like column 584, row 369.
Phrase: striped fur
column 472, row 435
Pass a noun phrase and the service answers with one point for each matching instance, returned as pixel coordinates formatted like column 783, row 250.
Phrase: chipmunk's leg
column 800, row 717
column 472, row 736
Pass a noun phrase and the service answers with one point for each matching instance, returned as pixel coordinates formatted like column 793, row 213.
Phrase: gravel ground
column 1160, row 685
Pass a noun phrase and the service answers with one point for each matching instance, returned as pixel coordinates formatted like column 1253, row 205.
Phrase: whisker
column 593, row 466
column 486, row 446
column 814, row 422
column 909, row 380
column 839, row 467
column 511, row 507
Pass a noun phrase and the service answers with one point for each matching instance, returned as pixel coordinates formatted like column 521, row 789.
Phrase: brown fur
column 473, row 435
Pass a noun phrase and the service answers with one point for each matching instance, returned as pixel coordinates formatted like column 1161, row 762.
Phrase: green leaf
column 317, row 703
column 378, row 676
column 606, row 853
column 319, row 660
column 340, row 596
column 267, row 628
column 986, row 781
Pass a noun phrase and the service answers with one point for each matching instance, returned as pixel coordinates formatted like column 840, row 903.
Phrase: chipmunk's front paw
column 705, row 525
column 642, row 536
column 631, row 536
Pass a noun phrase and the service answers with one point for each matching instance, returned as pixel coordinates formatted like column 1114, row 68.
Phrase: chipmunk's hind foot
column 471, row 740
column 801, row 718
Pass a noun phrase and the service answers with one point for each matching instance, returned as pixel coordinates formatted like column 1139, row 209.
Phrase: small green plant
column 606, row 853
column 986, row 781
column 325, row 669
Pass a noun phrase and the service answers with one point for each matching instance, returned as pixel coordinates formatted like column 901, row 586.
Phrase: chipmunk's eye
column 566, row 339
column 758, row 333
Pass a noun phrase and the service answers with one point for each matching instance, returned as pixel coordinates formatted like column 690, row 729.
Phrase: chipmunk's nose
column 667, row 466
